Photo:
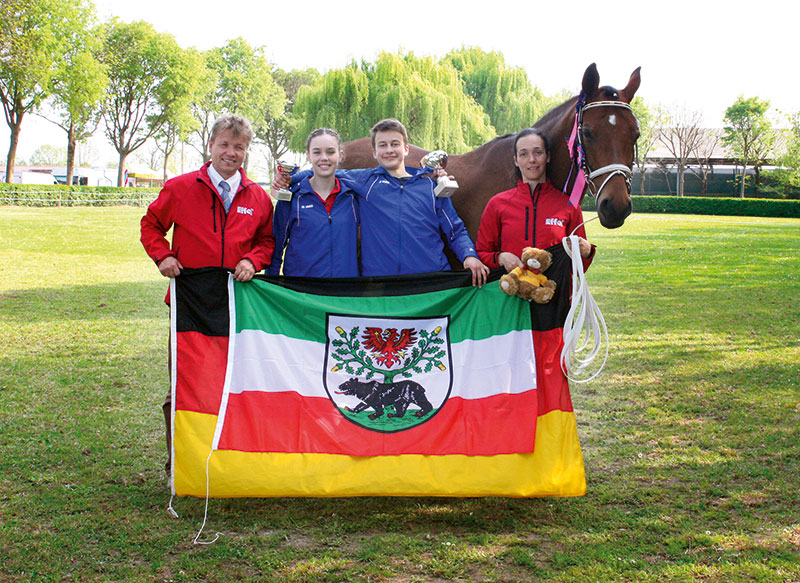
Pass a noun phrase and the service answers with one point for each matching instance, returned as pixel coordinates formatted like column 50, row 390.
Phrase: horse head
column 608, row 130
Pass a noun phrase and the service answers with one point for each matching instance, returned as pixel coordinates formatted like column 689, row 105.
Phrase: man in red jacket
column 218, row 217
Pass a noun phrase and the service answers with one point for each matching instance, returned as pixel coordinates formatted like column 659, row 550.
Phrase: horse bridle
column 577, row 155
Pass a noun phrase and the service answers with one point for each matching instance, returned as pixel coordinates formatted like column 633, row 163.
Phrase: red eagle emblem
column 388, row 345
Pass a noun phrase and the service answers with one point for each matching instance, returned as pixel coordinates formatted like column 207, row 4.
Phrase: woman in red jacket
column 534, row 214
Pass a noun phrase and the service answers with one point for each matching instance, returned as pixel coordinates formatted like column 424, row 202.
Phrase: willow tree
column 505, row 93
column 34, row 37
column 336, row 100
column 427, row 96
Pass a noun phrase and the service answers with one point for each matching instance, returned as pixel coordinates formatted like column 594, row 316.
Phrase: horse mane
column 556, row 112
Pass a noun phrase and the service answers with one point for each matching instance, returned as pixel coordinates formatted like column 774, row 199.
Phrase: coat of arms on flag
column 387, row 375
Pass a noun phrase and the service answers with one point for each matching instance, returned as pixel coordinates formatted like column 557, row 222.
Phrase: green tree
column 504, row 92
column 203, row 106
column 78, row 88
column 242, row 84
column 148, row 73
column 651, row 125
column 34, row 37
column 276, row 132
column 183, row 85
column 48, row 155
column 791, row 158
column 427, row 96
column 337, row 100
column 748, row 132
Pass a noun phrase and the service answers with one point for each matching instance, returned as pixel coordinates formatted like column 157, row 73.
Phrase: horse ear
column 591, row 80
column 633, row 85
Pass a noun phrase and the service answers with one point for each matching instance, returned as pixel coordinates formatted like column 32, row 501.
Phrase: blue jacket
column 317, row 244
column 403, row 223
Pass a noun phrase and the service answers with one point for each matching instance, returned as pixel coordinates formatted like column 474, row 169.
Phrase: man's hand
column 170, row 267
column 509, row 261
column 478, row 269
column 245, row 270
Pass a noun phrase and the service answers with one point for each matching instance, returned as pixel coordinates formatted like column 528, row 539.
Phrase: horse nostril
column 610, row 215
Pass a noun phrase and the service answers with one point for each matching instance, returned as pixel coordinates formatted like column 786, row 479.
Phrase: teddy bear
column 528, row 282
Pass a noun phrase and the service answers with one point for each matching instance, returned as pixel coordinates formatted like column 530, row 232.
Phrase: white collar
column 234, row 181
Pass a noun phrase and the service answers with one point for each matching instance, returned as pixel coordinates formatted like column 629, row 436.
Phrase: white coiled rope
column 583, row 320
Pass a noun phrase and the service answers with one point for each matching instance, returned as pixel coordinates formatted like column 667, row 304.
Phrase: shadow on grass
column 129, row 300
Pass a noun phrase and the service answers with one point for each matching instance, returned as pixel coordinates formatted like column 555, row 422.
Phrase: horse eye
column 587, row 133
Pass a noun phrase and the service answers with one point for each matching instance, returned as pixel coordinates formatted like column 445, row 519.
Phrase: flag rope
column 205, row 511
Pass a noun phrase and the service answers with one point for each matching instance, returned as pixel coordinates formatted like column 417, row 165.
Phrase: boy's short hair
column 388, row 125
column 239, row 126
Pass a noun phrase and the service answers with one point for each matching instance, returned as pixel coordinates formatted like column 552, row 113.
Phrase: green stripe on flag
column 475, row 313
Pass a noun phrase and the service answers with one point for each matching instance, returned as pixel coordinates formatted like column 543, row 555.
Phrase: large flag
column 418, row 385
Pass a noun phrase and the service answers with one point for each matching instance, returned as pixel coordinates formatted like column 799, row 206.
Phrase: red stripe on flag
column 201, row 371
column 287, row 422
column 552, row 385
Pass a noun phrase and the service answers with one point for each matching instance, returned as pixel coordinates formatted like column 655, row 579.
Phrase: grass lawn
column 691, row 435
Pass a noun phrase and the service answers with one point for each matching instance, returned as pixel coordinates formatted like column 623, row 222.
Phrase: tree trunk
column 680, row 177
column 12, row 151
column 744, row 175
column 121, row 169
column 70, row 153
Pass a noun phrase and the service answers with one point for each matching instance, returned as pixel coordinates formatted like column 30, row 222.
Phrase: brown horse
column 608, row 135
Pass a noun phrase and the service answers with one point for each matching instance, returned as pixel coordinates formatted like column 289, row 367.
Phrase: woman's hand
column 509, row 261
column 585, row 247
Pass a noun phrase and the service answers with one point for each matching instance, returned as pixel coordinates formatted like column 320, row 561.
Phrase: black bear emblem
column 378, row 396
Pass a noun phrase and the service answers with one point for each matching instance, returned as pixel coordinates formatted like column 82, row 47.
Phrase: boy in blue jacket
column 403, row 223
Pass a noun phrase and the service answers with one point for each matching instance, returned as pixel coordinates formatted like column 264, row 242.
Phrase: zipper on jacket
column 527, row 221
column 400, row 231
column 534, row 202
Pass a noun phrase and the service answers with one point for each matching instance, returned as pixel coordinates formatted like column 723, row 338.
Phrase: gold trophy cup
column 285, row 168
column 445, row 187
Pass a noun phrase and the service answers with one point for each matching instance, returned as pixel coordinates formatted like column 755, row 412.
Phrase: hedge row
column 61, row 195
column 38, row 195
column 695, row 205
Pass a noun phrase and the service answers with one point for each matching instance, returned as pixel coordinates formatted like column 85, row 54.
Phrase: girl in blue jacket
column 318, row 228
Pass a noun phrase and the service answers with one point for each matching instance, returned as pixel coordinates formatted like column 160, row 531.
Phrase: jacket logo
column 558, row 222
column 244, row 210
column 387, row 374
column 307, row 206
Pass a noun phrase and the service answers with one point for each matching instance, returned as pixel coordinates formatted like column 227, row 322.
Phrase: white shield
column 387, row 374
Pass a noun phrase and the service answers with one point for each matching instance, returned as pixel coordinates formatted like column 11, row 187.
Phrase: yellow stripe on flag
column 555, row 468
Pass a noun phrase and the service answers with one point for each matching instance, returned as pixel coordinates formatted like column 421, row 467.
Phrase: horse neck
column 557, row 125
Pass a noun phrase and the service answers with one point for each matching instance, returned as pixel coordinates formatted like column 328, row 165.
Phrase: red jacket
column 527, row 217
column 202, row 234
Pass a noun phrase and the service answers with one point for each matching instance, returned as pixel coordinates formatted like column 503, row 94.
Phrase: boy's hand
column 478, row 269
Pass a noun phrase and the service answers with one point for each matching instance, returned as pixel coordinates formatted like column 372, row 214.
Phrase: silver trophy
column 285, row 168
column 445, row 187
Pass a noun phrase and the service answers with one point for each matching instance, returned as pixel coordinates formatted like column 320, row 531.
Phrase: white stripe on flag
column 481, row 368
